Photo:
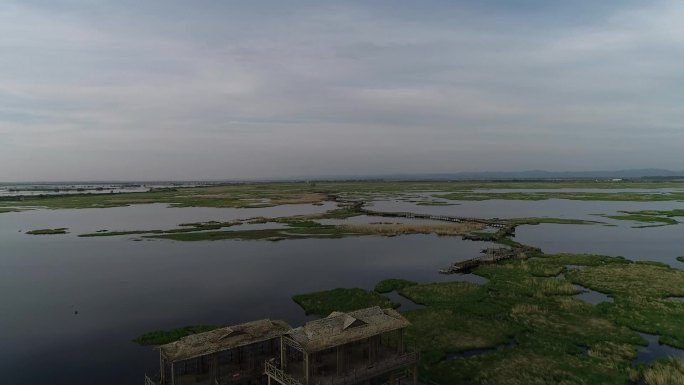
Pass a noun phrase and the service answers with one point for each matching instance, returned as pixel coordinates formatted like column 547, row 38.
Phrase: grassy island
column 537, row 331
column 61, row 230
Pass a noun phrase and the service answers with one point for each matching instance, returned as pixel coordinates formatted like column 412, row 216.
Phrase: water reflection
column 122, row 288
column 655, row 351
column 154, row 216
column 591, row 296
column 660, row 244
column 552, row 208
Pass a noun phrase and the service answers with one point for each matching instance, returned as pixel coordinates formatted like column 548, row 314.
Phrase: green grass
column 641, row 292
column 325, row 302
column 186, row 228
column 557, row 339
column 643, row 218
column 303, row 229
column 229, row 195
column 436, row 203
column 582, row 196
column 549, row 328
column 61, row 230
column 665, row 213
column 9, row 210
column 272, row 194
column 161, row 337
column 330, row 232
column 392, row 284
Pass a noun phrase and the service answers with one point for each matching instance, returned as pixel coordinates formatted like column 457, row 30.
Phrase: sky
column 208, row 89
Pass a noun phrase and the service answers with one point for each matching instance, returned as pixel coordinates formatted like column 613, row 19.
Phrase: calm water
column 122, row 288
column 621, row 238
column 551, row 208
column 583, row 190
column 28, row 189
column 662, row 244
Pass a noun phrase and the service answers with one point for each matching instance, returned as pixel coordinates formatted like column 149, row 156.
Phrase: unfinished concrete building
column 360, row 347
column 232, row 355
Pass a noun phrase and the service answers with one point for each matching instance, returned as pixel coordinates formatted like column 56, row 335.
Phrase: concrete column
column 173, row 374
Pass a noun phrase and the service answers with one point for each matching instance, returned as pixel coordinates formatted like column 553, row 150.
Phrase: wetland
column 159, row 264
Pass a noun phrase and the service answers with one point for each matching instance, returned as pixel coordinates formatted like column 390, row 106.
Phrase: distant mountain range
column 648, row 173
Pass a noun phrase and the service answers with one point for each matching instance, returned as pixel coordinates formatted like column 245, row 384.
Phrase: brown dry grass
column 299, row 199
column 670, row 372
column 401, row 229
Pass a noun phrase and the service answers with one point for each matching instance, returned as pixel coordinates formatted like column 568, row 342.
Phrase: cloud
column 258, row 89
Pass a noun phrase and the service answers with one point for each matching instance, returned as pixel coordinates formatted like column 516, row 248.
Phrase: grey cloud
column 183, row 90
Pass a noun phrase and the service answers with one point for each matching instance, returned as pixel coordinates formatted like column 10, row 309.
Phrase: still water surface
column 619, row 238
column 69, row 306
column 121, row 288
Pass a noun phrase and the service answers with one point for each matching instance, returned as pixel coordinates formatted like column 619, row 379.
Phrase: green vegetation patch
column 436, row 203
column 9, row 210
column 641, row 292
column 228, row 195
column 301, row 229
column 556, row 338
column 643, row 218
column 325, row 302
column 186, row 228
column 61, row 230
column 632, row 280
column 681, row 259
column 388, row 285
column 581, row 196
column 665, row 213
column 161, row 337
column 538, row 333
column 272, row 194
column 301, row 232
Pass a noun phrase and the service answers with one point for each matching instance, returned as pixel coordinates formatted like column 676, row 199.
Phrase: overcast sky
column 179, row 89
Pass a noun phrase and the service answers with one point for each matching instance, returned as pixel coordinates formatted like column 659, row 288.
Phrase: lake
column 70, row 306
column 122, row 288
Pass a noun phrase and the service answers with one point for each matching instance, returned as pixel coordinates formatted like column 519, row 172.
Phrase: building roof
column 223, row 339
column 341, row 328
